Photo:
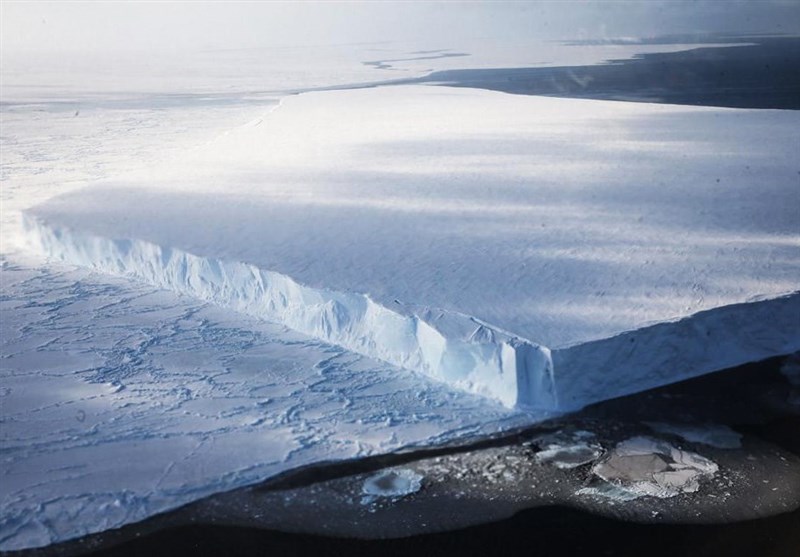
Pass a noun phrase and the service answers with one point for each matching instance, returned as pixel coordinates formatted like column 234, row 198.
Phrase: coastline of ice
column 486, row 235
column 119, row 401
column 455, row 349
column 452, row 348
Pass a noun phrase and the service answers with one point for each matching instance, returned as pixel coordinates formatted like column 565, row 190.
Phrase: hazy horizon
column 109, row 27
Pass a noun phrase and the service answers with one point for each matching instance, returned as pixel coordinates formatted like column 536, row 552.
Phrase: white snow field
column 476, row 237
column 120, row 401
column 547, row 253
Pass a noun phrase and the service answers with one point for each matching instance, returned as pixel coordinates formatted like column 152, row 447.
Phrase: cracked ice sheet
column 120, row 401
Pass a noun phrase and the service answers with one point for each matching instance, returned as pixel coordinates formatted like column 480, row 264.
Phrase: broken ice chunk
column 647, row 466
column 566, row 450
column 609, row 491
column 394, row 483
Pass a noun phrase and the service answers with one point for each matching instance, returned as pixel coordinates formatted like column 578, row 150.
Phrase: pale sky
column 161, row 26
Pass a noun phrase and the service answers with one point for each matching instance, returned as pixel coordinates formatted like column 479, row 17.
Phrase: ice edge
column 446, row 346
column 673, row 351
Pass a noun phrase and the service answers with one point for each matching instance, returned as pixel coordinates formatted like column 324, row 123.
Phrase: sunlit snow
column 337, row 274
column 544, row 252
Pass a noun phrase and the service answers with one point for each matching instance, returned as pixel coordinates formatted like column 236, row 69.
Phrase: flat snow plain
column 544, row 252
column 121, row 401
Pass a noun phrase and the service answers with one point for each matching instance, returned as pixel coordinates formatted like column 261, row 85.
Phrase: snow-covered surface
column 52, row 147
column 120, row 401
column 217, row 74
column 437, row 228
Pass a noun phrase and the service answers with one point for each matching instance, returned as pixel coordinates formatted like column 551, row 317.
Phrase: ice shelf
column 450, row 347
column 547, row 253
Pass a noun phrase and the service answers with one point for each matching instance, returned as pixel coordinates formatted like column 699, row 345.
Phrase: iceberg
column 546, row 253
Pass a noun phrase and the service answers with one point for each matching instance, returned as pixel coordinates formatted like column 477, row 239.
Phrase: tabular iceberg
column 547, row 253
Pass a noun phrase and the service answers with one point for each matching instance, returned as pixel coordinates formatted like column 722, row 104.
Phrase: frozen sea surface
column 120, row 401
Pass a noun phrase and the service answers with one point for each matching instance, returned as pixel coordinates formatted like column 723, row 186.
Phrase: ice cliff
column 446, row 346
column 546, row 253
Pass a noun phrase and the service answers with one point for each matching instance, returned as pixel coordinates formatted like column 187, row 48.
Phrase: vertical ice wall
column 454, row 348
column 673, row 351
column 450, row 347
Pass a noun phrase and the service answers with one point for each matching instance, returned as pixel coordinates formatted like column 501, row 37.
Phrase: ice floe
column 119, row 401
column 645, row 466
column 393, row 484
column 566, row 450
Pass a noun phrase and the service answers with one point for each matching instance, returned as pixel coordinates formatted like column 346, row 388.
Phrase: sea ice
column 644, row 466
column 119, row 401
column 566, row 450
column 393, row 483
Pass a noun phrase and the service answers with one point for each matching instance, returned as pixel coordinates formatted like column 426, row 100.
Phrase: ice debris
column 566, row 450
column 608, row 491
column 713, row 435
column 393, row 484
column 644, row 466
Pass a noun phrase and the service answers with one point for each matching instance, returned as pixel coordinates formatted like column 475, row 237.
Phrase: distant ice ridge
column 450, row 347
